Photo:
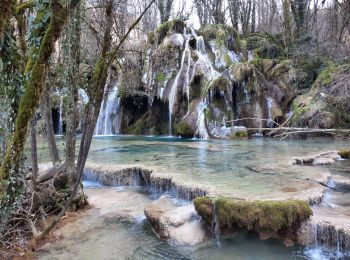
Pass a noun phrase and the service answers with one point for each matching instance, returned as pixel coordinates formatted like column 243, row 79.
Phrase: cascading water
column 269, row 102
column 60, row 120
column 201, row 130
column 215, row 227
column 109, row 111
column 181, row 77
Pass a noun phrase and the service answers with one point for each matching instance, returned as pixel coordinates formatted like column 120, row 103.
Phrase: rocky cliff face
column 203, row 83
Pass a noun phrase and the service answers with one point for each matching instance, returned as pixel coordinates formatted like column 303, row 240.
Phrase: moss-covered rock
column 241, row 71
column 345, row 154
column 204, row 208
column 326, row 104
column 223, row 35
column 264, row 47
column 184, row 129
column 262, row 215
column 165, row 29
column 254, row 215
column 140, row 127
column 218, row 84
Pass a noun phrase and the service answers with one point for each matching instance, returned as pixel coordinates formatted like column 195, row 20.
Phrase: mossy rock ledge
column 279, row 219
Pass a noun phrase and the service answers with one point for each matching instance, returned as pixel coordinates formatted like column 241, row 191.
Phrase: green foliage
column 11, row 83
column 39, row 26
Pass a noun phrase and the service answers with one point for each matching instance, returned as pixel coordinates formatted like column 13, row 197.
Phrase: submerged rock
column 179, row 224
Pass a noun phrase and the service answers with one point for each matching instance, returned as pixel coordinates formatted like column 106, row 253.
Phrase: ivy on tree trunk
column 32, row 95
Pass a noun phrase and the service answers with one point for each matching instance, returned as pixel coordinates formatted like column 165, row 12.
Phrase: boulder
column 178, row 224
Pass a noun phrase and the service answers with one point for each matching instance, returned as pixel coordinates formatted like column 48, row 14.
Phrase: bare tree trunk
column 73, row 70
column 164, row 7
column 50, row 135
column 287, row 24
column 253, row 17
column 34, row 153
column 233, row 7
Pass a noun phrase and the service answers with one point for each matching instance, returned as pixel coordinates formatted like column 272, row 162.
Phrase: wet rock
column 139, row 176
column 325, row 158
column 316, row 109
column 179, row 224
column 323, row 230
column 269, row 218
column 224, row 132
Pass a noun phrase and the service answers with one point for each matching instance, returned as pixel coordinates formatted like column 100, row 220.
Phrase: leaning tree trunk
column 32, row 95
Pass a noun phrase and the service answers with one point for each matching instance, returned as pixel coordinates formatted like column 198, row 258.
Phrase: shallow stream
column 257, row 168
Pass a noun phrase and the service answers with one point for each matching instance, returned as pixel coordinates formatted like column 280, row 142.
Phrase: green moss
column 345, row 154
column 33, row 92
column 298, row 113
column 173, row 26
column 220, row 33
column 262, row 215
column 23, row 6
column 241, row 134
column 220, row 83
column 209, row 114
column 326, row 77
column 254, row 215
column 204, row 208
column 160, row 77
column 264, row 47
column 257, row 62
column 150, row 37
column 140, row 127
column 228, row 60
column 221, row 37
column 184, row 129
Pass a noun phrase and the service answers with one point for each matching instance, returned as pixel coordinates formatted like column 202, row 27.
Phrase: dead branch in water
column 283, row 132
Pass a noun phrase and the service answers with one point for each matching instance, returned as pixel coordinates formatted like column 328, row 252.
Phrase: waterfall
column 201, row 130
column 60, row 121
column 109, row 111
column 269, row 102
column 183, row 72
column 215, row 226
